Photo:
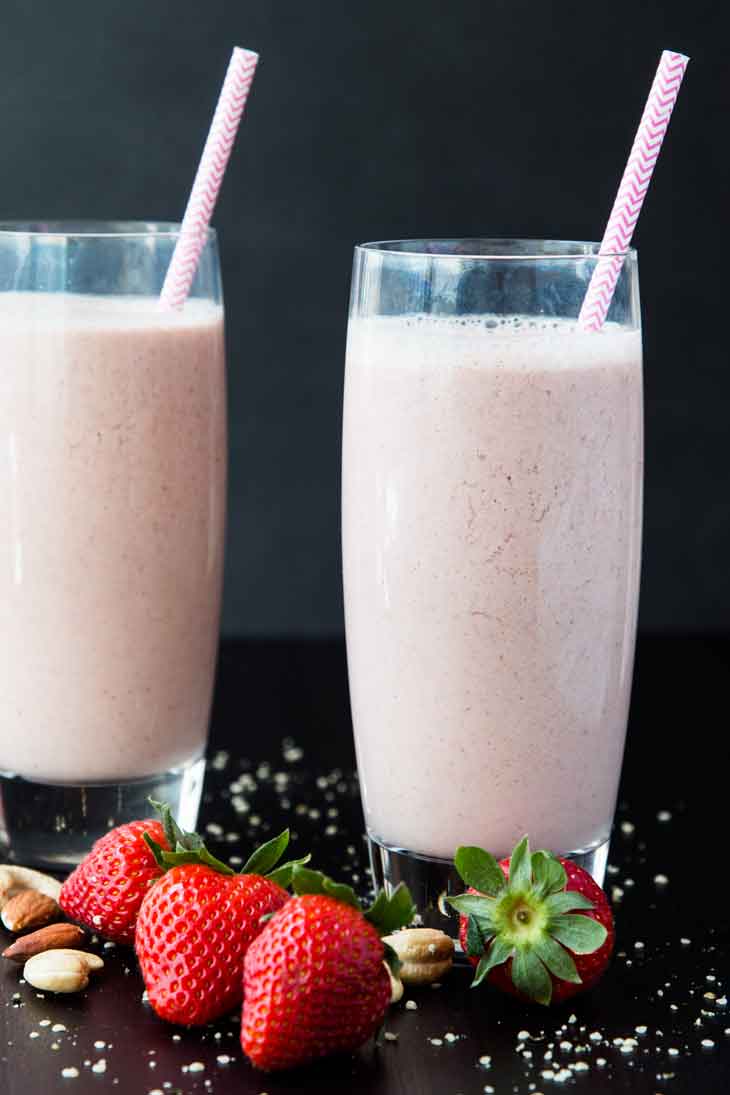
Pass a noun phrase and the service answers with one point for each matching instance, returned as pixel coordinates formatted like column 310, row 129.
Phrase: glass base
column 53, row 826
column 432, row 880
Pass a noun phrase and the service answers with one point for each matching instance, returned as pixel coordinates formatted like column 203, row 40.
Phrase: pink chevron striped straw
column 633, row 188
column 208, row 178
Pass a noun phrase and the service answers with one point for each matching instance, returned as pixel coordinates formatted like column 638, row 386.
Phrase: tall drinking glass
column 112, row 511
column 492, row 484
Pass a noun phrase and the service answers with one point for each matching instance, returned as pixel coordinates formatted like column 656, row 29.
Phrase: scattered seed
column 69, row 1073
column 411, row 1005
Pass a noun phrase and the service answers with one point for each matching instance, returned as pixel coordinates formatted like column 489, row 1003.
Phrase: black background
column 389, row 119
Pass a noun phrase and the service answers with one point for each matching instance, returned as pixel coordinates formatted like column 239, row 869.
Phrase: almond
column 46, row 939
column 29, row 909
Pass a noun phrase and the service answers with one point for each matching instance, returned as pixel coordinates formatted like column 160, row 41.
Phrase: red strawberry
column 197, row 922
column 535, row 925
column 314, row 980
column 105, row 891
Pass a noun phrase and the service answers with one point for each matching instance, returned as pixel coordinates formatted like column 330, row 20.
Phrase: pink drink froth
column 112, row 509
column 492, row 482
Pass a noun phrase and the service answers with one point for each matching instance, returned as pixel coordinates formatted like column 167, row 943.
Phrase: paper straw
column 633, row 188
column 203, row 196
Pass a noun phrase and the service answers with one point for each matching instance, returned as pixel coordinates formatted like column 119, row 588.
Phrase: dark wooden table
column 281, row 751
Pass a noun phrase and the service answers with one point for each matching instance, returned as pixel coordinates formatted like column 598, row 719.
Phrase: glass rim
column 94, row 229
column 544, row 250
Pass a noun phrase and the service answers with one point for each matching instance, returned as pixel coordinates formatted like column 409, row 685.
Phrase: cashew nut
column 61, row 970
column 14, row 879
column 426, row 954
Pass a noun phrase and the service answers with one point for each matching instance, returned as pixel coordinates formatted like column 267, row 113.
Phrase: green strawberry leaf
column 190, row 848
column 173, row 833
column 478, row 935
column 202, row 855
column 549, row 873
column 520, row 866
column 282, row 875
column 306, row 881
column 580, row 934
column 472, row 904
column 265, row 858
column 392, row 911
column 567, row 901
column 498, row 953
column 479, row 870
column 157, row 850
column 530, row 976
column 557, row 959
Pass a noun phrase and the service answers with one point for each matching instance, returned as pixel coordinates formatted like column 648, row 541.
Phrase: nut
column 396, row 985
column 14, row 879
column 29, row 909
column 426, row 954
column 62, row 970
column 46, row 939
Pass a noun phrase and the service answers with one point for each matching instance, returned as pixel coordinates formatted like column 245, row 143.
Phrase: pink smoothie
column 112, row 508
column 492, row 524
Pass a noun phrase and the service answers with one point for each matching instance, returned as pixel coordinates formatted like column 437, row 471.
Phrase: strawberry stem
column 190, row 848
column 529, row 917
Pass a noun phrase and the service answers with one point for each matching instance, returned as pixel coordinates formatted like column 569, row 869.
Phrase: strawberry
column 105, row 891
column 535, row 925
column 198, row 920
column 315, row 981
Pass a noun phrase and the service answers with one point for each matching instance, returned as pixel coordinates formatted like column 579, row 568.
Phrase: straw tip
column 242, row 54
column 675, row 56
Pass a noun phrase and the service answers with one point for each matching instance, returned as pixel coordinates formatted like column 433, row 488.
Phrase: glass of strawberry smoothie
column 492, row 485
column 112, row 512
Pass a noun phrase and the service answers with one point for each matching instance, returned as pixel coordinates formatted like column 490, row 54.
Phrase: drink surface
column 492, row 476
column 112, row 510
